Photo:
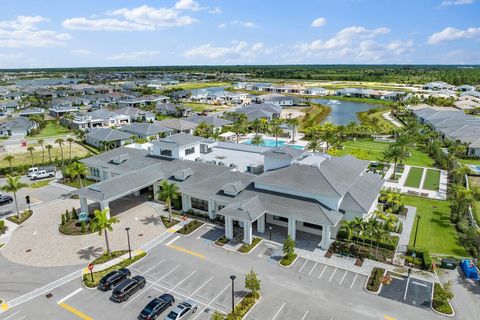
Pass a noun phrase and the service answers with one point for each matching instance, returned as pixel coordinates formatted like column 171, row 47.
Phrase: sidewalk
column 388, row 116
column 111, row 263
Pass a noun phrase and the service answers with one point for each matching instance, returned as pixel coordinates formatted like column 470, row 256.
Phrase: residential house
column 28, row 112
column 17, row 127
column 178, row 125
column 438, row 85
column 97, row 119
column 59, row 111
column 146, row 130
column 136, row 114
column 175, row 110
column 214, row 121
column 107, row 138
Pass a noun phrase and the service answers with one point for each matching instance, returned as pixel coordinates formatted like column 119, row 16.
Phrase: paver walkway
column 388, row 116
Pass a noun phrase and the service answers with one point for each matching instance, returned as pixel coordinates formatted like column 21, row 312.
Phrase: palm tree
column 256, row 125
column 168, row 193
column 9, row 158
column 293, row 122
column 60, row 142
column 314, row 145
column 70, row 140
column 103, row 223
column 49, row 148
column 31, row 149
column 257, row 140
column 357, row 224
column 349, row 227
column 396, row 154
column 276, row 130
column 13, row 184
column 77, row 170
column 41, row 142
column 238, row 128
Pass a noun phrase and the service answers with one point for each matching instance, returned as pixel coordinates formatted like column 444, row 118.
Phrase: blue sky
column 188, row 32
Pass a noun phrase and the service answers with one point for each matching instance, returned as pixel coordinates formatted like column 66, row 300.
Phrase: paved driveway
column 38, row 243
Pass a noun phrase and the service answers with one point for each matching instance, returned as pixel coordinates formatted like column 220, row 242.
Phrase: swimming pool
column 475, row 168
column 271, row 143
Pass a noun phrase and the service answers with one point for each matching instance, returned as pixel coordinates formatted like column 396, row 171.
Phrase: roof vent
column 120, row 159
column 183, row 174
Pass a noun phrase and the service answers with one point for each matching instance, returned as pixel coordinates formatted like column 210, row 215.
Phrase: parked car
column 183, row 311
column 110, row 280
column 42, row 174
column 4, row 199
column 34, row 170
column 127, row 288
column 155, row 307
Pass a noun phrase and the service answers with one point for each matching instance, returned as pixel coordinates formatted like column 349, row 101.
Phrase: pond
column 344, row 112
column 45, row 82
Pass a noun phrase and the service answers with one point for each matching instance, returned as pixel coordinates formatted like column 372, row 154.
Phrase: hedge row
column 388, row 245
column 423, row 255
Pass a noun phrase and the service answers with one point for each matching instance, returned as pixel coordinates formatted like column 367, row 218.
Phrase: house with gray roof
column 107, row 138
column 98, row 119
column 170, row 109
column 34, row 111
column 136, row 114
column 214, row 121
column 20, row 126
column 59, row 111
column 146, row 130
column 178, row 125
column 260, row 111
column 311, row 198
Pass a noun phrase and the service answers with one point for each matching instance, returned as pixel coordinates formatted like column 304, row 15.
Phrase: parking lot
column 411, row 291
column 191, row 267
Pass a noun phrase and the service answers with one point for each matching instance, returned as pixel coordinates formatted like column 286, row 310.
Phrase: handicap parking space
column 411, row 291
column 211, row 233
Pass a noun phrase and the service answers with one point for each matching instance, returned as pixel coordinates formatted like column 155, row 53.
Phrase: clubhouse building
column 288, row 187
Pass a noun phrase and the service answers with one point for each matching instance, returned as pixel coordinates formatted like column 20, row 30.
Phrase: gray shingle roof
column 180, row 139
column 210, row 120
column 107, row 134
column 177, row 124
column 19, row 122
column 249, row 210
column 144, row 129
column 285, row 152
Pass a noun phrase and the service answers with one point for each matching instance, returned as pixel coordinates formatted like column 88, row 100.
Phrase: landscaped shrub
column 245, row 248
column 82, row 227
column 390, row 244
column 441, row 298
column 63, row 220
column 348, row 249
column 23, row 217
column 3, row 228
column 74, row 214
column 422, row 259
column 222, row 241
column 167, row 223
column 375, row 279
column 190, row 227
column 67, row 215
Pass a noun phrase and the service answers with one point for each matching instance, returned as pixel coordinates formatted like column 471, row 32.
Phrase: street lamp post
column 416, row 231
column 232, row 277
column 128, row 239
column 270, row 229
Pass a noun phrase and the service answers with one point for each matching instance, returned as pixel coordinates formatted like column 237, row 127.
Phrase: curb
column 251, row 250
column 438, row 312
column 188, row 235
column 379, row 288
column 254, row 305
column 291, row 264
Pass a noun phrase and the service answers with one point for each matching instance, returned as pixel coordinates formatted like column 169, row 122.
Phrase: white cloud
column 10, row 60
column 319, row 22
column 246, row 24
column 450, row 34
column 24, row 31
column 455, row 2
column 216, row 10
column 356, row 44
column 187, row 5
column 240, row 50
column 137, row 19
column 104, row 24
column 222, row 25
column 82, row 52
column 132, row 56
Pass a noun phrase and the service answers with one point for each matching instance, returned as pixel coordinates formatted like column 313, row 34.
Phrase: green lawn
column 414, row 177
column 435, row 231
column 374, row 150
column 52, row 129
column 470, row 161
column 432, row 180
column 476, row 212
column 40, row 183
column 201, row 107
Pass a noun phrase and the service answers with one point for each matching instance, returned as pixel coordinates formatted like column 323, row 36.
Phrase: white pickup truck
column 42, row 174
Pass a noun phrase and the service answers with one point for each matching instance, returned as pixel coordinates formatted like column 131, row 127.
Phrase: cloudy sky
column 54, row 33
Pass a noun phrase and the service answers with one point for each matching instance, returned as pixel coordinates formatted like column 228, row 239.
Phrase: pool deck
column 281, row 141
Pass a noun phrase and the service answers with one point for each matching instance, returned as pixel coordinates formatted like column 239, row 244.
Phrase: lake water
column 344, row 112
column 45, row 82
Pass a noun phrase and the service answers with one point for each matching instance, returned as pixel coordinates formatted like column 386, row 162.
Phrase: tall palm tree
column 276, row 130
column 103, row 223
column 238, row 128
column 349, row 227
column 293, row 122
column 256, row 124
column 314, row 145
column 70, row 140
column 13, row 185
column 60, row 142
column 49, row 148
column 9, row 158
column 31, row 149
column 41, row 143
column 357, row 227
column 396, row 154
column 257, row 140
column 77, row 170
column 169, row 192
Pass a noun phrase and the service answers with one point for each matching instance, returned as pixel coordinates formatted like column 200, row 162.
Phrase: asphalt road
column 193, row 268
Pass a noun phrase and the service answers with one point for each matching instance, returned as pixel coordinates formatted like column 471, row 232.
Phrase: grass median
column 414, row 177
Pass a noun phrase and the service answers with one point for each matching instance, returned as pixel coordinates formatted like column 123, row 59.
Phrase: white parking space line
column 306, row 261
column 420, row 284
column 343, row 278
column 321, row 274
column 12, row 315
column 193, row 293
column 184, row 279
column 172, row 241
column 69, row 296
column 211, row 301
column 314, row 266
column 332, row 275
column 279, row 310
column 305, row 315
column 353, row 282
column 156, row 265
column 406, row 289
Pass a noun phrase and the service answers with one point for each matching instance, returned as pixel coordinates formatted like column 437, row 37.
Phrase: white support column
column 228, row 227
column 247, row 232
column 186, row 202
column 103, row 206
column 261, row 224
column 292, row 227
column 211, row 207
column 326, row 234
column 83, row 205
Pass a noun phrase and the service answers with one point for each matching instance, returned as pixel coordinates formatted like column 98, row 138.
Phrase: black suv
column 127, row 288
column 155, row 307
column 5, row 199
column 109, row 281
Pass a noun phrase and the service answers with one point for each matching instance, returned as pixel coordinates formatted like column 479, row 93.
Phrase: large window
column 312, row 226
column 277, row 218
column 167, row 153
column 199, row 204
column 95, row 172
column 189, row 151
